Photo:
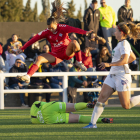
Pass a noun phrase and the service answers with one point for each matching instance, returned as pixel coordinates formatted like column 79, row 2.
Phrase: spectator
column 108, row 23
column 92, row 42
column 33, row 50
column 73, row 80
column 92, row 17
column 11, row 51
column 125, row 13
column 2, row 63
column 69, row 63
column 14, row 83
column 56, row 82
column 87, row 61
column 87, row 58
column 46, row 49
column 103, row 56
column 41, row 81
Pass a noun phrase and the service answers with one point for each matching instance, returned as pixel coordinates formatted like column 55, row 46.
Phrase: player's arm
column 37, row 37
column 70, row 29
column 132, row 57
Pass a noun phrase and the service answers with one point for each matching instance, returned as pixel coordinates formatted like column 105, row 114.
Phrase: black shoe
column 107, row 120
column 91, row 105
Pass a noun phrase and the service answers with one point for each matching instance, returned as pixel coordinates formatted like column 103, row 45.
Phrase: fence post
column 1, row 92
column 65, row 86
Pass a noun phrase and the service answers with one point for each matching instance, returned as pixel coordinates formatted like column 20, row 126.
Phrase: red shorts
column 60, row 56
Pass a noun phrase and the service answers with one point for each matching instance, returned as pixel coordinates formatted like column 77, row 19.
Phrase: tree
column 79, row 15
column 45, row 14
column 27, row 13
column 35, row 13
column 70, row 9
column 58, row 2
column 15, row 9
column 86, row 4
column 3, row 10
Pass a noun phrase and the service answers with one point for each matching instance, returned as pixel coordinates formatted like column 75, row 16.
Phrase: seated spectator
column 46, row 49
column 14, row 83
column 76, row 80
column 93, row 41
column 103, row 56
column 56, row 82
column 33, row 50
column 87, row 61
column 69, row 63
column 134, row 67
column 11, row 51
column 2, row 63
column 41, row 81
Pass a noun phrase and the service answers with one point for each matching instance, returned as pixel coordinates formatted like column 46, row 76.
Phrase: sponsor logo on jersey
column 60, row 35
column 58, row 44
column 60, row 105
column 50, row 37
column 113, row 52
column 62, row 25
column 124, row 82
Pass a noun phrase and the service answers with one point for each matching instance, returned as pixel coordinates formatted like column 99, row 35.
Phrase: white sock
column 79, row 61
column 98, row 110
column 134, row 101
column 28, row 76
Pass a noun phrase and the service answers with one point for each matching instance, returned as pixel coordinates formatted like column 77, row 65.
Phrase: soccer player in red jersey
column 61, row 45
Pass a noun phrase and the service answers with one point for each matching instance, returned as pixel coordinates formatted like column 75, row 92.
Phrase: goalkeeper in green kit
column 59, row 112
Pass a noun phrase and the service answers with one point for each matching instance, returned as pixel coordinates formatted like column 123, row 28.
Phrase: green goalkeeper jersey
column 49, row 112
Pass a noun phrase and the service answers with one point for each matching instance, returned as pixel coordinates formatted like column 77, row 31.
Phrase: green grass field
column 16, row 125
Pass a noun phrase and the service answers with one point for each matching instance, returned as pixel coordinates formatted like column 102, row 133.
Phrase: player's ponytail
column 130, row 29
column 56, row 13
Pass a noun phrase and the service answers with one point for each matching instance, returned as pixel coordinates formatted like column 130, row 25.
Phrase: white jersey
column 122, row 47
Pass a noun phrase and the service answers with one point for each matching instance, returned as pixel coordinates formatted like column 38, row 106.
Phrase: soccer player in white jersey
column 119, row 78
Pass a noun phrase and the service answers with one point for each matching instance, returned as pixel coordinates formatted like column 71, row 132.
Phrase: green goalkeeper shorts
column 55, row 112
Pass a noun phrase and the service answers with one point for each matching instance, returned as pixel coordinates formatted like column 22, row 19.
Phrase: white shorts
column 119, row 82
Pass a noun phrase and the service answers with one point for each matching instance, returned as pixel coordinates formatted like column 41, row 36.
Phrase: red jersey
column 59, row 40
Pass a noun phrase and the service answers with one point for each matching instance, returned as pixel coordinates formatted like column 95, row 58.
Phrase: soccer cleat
column 107, row 120
column 23, row 78
column 91, row 105
column 90, row 126
column 81, row 66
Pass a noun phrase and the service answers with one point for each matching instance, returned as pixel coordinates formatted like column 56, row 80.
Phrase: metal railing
column 50, row 74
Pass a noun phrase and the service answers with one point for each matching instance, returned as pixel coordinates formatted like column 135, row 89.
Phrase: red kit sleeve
column 70, row 29
column 37, row 37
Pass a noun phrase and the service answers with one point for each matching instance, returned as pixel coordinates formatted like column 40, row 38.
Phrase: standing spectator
column 14, row 82
column 108, row 23
column 125, row 13
column 92, row 17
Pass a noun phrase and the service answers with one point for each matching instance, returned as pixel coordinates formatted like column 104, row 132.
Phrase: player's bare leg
column 126, row 101
column 74, row 49
column 43, row 58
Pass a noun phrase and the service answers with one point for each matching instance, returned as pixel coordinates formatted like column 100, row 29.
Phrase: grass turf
column 16, row 125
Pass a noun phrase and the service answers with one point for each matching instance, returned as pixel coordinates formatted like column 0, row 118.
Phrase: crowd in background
column 97, row 48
